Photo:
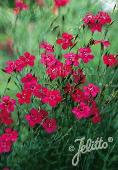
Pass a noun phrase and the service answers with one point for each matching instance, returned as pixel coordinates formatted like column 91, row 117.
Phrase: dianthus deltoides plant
column 44, row 114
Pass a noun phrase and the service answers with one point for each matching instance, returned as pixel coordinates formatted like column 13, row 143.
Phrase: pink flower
column 82, row 111
column 20, row 64
column 5, row 118
column 54, row 71
column 24, row 97
column 71, row 59
column 10, row 68
column 59, row 70
column 103, row 18
column 10, row 135
column 96, row 22
column 36, row 116
column 65, row 70
column 78, row 96
column 28, row 59
column 79, row 76
column 49, row 125
column 52, row 97
column 65, row 41
column 7, row 139
column 60, row 3
column 91, row 90
column 85, row 54
column 19, row 6
column 22, row 6
column 7, row 104
column 5, row 146
column 48, row 59
column 110, row 60
column 29, row 78
column 47, row 47
column 33, row 87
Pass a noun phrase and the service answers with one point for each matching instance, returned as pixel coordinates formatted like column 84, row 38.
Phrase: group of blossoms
column 84, row 96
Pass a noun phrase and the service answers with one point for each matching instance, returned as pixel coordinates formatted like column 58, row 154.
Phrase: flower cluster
column 65, row 67
column 32, row 87
column 7, row 139
column 85, row 98
column 41, row 117
column 96, row 22
column 7, row 106
column 18, row 65
column 54, row 68
column 110, row 60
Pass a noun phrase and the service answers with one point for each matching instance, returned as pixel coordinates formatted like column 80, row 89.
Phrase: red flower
column 85, row 54
column 5, row 146
column 82, row 111
column 10, row 135
column 71, row 59
column 79, row 76
column 28, row 79
column 54, row 71
column 19, row 6
column 110, row 60
column 91, row 90
column 28, row 59
column 65, row 70
column 65, row 41
column 47, row 47
column 78, row 96
column 36, row 116
column 48, row 59
column 20, row 64
column 103, row 42
column 60, row 3
column 33, row 87
column 58, row 70
column 96, row 22
column 7, row 104
column 24, row 97
column 52, row 97
column 7, row 139
column 5, row 118
column 49, row 125
column 103, row 18
column 10, row 68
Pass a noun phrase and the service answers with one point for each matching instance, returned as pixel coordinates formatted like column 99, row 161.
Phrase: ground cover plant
column 58, row 78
